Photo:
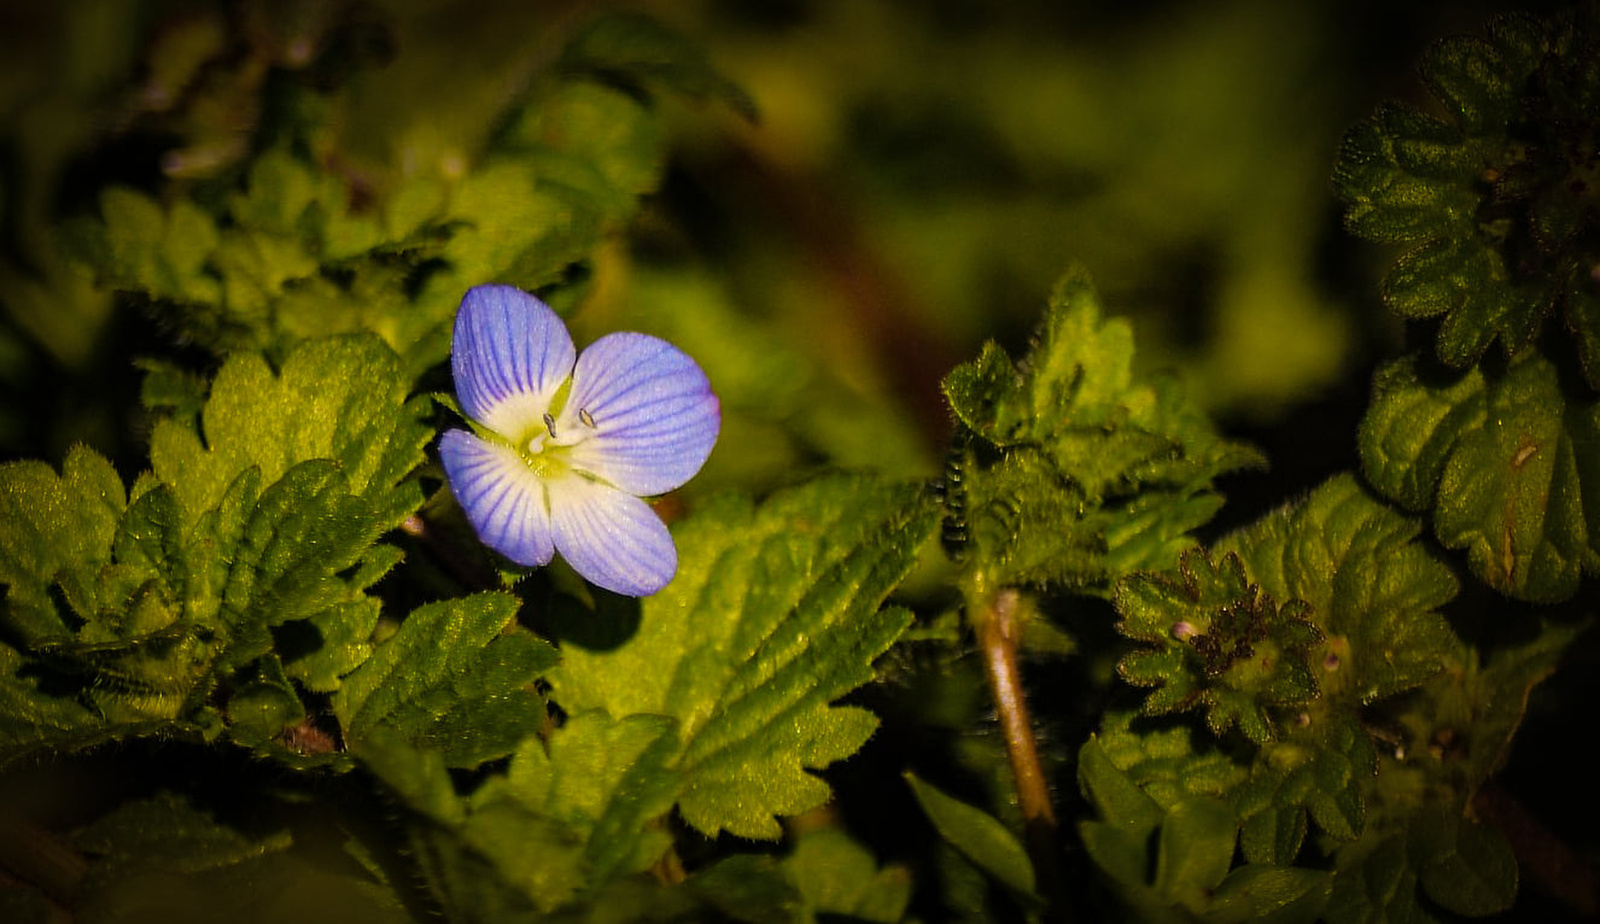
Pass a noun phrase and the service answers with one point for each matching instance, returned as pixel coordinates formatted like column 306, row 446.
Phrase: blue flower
column 564, row 446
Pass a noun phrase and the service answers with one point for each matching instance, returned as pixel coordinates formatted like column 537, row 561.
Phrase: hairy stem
column 996, row 621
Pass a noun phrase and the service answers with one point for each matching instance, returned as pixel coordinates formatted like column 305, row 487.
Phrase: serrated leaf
column 1070, row 469
column 339, row 398
column 1498, row 459
column 773, row 615
column 1372, row 588
column 576, row 814
column 166, row 832
column 1492, row 195
column 53, row 522
column 1219, row 642
column 591, row 799
column 161, row 859
column 979, row 836
column 456, row 678
column 1320, row 769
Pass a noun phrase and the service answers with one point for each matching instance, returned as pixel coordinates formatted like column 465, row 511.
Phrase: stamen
column 586, row 417
column 550, row 424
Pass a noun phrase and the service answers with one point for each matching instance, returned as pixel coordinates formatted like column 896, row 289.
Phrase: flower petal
column 501, row 496
column 611, row 538
column 509, row 355
column 652, row 411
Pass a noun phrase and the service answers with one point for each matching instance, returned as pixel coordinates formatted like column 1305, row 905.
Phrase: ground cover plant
column 473, row 463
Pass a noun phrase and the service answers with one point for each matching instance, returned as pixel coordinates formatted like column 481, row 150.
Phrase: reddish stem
column 999, row 632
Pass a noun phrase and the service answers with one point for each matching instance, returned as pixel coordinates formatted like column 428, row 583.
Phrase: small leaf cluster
column 1498, row 198
column 1232, row 650
column 1067, row 468
column 1347, row 751
column 228, row 592
column 310, row 235
column 1498, row 201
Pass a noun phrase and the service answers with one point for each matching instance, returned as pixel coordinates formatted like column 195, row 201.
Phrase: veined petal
column 611, row 538
column 651, row 409
column 509, row 356
column 501, row 496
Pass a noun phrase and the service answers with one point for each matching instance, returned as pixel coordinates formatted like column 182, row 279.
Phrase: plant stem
column 996, row 622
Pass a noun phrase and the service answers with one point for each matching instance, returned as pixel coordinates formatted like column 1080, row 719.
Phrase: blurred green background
column 918, row 175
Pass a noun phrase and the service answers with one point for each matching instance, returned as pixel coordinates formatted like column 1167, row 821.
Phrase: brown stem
column 999, row 632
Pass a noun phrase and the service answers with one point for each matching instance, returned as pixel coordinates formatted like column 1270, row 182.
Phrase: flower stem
column 996, row 621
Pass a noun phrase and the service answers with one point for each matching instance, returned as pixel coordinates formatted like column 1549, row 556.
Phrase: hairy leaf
column 774, row 613
column 1496, row 198
column 1072, row 470
column 1372, row 588
column 1500, row 460
column 1220, row 644
column 455, row 678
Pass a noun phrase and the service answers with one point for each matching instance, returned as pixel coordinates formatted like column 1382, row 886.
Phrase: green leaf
column 166, row 832
column 1322, row 769
column 1493, row 195
column 597, row 141
column 774, row 613
column 456, row 678
column 53, row 522
column 1194, row 850
column 1499, row 460
column 262, row 707
column 978, row 835
column 1114, row 794
column 1466, row 867
column 837, row 876
column 1271, row 895
column 568, row 818
column 1372, row 588
column 1376, row 882
column 1217, row 642
column 342, row 399
column 1069, row 468
column 162, row 859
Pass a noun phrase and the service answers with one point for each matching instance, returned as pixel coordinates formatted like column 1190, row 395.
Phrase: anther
column 550, row 424
column 586, row 417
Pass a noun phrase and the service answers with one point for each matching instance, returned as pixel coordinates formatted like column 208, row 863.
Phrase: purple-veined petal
column 651, row 412
column 611, row 538
column 501, row 496
column 509, row 355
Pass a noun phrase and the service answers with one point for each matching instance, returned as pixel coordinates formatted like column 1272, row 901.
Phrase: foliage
column 255, row 663
column 1067, row 469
